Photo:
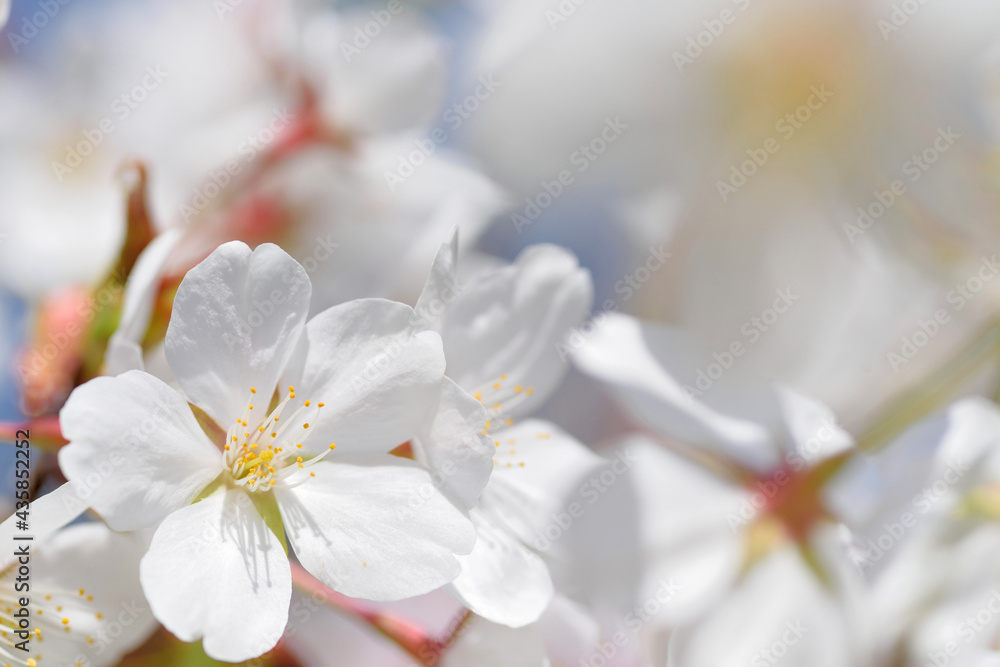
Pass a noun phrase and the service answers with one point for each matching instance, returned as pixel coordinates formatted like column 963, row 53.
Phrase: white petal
column 46, row 515
column 377, row 376
column 524, row 498
column 570, row 632
column 779, row 609
column 375, row 527
column 511, row 322
column 135, row 445
column 236, row 319
column 486, row 644
column 947, row 452
column 502, row 580
column 813, row 428
column 113, row 612
column 638, row 361
column 454, row 446
column 972, row 440
column 216, row 571
column 441, row 287
column 689, row 546
column 124, row 352
column 4, row 12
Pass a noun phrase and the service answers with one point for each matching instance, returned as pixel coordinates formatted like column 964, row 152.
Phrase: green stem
column 936, row 390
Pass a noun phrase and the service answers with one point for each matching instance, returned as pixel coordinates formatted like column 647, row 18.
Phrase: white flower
column 746, row 535
column 925, row 513
column 86, row 605
column 501, row 333
column 300, row 420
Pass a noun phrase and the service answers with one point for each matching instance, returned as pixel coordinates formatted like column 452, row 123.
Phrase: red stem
column 411, row 638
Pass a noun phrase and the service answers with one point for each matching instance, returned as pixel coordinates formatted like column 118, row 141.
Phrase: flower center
column 265, row 455
column 498, row 397
column 71, row 614
column 764, row 80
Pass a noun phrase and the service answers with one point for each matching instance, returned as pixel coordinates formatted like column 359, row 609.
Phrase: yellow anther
column 496, row 385
column 518, row 389
column 529, row 391
column 307, row 403
column 333, row 445
column 252, row 390
column 291, row 389
column 274, row 435
column 251, row 406
column 305, row 426
column 478, row 396
column 260, row 428
column 312, row 474
column 298, row 459
column 65, row 621
column 299, row 445
column 320, row 405
column 503, row 377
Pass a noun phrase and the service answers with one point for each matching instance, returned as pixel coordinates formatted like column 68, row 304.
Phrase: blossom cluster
column 528, row 334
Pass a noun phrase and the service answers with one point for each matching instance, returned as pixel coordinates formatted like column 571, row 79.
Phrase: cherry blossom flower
column 86, row 605
column 501, row 333
column 289, row 437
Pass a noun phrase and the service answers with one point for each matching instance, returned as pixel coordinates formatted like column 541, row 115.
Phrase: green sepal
column 267, row 507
